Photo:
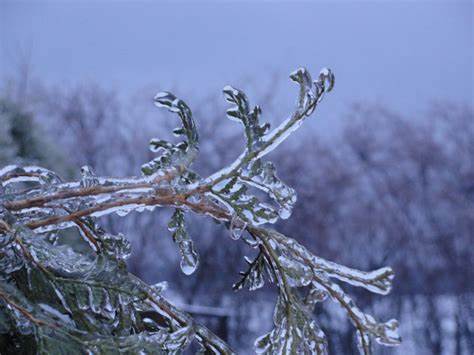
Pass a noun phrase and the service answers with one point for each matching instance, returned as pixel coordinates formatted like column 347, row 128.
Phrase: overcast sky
column 404, row 54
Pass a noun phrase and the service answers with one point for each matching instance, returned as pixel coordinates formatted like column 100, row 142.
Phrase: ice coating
column 16, row 174
column 88, row 177
column 174, row 159
column 295, row 255
column 248, row 168
column 294, row 332
column 245, row 195
column 236, row 231
column 257, row 272
column 159, row 287
column 299, row 268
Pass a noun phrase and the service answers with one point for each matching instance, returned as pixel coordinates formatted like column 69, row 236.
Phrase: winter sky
column 402, row 53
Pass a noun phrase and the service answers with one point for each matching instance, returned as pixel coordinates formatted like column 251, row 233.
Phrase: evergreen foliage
column 55, row 298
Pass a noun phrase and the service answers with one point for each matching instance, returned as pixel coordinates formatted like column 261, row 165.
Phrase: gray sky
column 404, row 54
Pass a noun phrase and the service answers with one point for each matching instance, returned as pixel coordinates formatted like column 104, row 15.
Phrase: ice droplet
column 189, row 257
column 235, row 231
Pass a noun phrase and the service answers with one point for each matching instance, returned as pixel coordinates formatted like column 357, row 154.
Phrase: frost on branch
column 53, row 296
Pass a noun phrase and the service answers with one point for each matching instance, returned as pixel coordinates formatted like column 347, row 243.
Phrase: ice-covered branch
column 297, row 267
column 99, row 305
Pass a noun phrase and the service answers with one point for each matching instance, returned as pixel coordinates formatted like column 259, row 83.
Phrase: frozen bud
column 88, row 177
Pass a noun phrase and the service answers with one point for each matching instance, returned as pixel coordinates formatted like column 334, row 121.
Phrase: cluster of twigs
column 35, row 203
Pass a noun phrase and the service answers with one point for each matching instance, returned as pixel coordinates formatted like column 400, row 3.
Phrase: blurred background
column 384, row 170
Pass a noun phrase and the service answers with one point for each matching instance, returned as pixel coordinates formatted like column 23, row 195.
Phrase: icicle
column 236, row 232
column 189, row 257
